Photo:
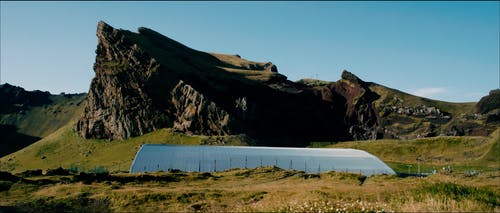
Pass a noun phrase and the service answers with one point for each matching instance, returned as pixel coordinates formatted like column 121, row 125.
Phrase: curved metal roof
column 154, row 157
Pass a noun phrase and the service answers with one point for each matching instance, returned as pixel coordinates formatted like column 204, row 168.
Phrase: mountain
column 145, row 81
column 28, row 116
column 151, row 89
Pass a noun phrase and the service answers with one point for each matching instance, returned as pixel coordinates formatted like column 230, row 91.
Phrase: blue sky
column 441, row 50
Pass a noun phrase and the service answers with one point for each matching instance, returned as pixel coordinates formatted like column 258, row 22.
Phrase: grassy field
column 261, row 189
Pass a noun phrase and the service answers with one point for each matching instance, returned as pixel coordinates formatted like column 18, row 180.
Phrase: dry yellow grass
column 271, row 189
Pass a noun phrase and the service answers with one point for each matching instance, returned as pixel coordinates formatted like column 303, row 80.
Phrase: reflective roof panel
column 154, row 157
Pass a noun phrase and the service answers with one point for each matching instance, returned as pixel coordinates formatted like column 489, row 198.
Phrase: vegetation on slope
column 65, row 148
column 43, row 120
column 492, row 157
column 462, row 153
column 262, row 189
column 406, row 116
column 388, row 94
column 24, row 122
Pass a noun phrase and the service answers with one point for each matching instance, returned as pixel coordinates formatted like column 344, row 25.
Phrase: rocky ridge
column 145, row 81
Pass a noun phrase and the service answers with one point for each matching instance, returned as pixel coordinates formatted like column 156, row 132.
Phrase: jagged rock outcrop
column 118, row 105
column 195, row 114
column 145, row 81
column 360, row 115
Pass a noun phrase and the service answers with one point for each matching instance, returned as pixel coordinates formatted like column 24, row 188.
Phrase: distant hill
column 490, row 106
column 405, row 116
column 28, row 116
column 490, row 102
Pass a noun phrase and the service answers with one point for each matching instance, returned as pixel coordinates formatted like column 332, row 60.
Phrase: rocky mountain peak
column 346, row 75
column 103, row 27
column 146, row 81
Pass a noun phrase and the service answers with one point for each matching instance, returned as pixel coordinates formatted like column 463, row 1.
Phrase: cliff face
column 118, row 104
column 145, row 81
column 361, row 114
column 193, row 113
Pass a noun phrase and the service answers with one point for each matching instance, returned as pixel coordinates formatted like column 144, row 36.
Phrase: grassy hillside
column 41, row 121
column 24, row 127
column 67, row 149
column 492, row 157
column 261, row 189
column 462, row 153
column 401, row 116
column 387, row 94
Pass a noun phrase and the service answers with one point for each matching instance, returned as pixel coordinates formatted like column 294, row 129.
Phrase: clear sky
column 441, row 50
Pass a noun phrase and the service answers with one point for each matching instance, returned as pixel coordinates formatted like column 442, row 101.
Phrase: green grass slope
column 462, row 153
column 40, row 121
column 492, row 157
column 66, row 148
column 22, row 128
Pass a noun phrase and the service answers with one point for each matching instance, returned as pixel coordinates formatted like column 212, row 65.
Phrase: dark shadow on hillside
column 15, row 99
column 274, row 117
column 13, row 141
